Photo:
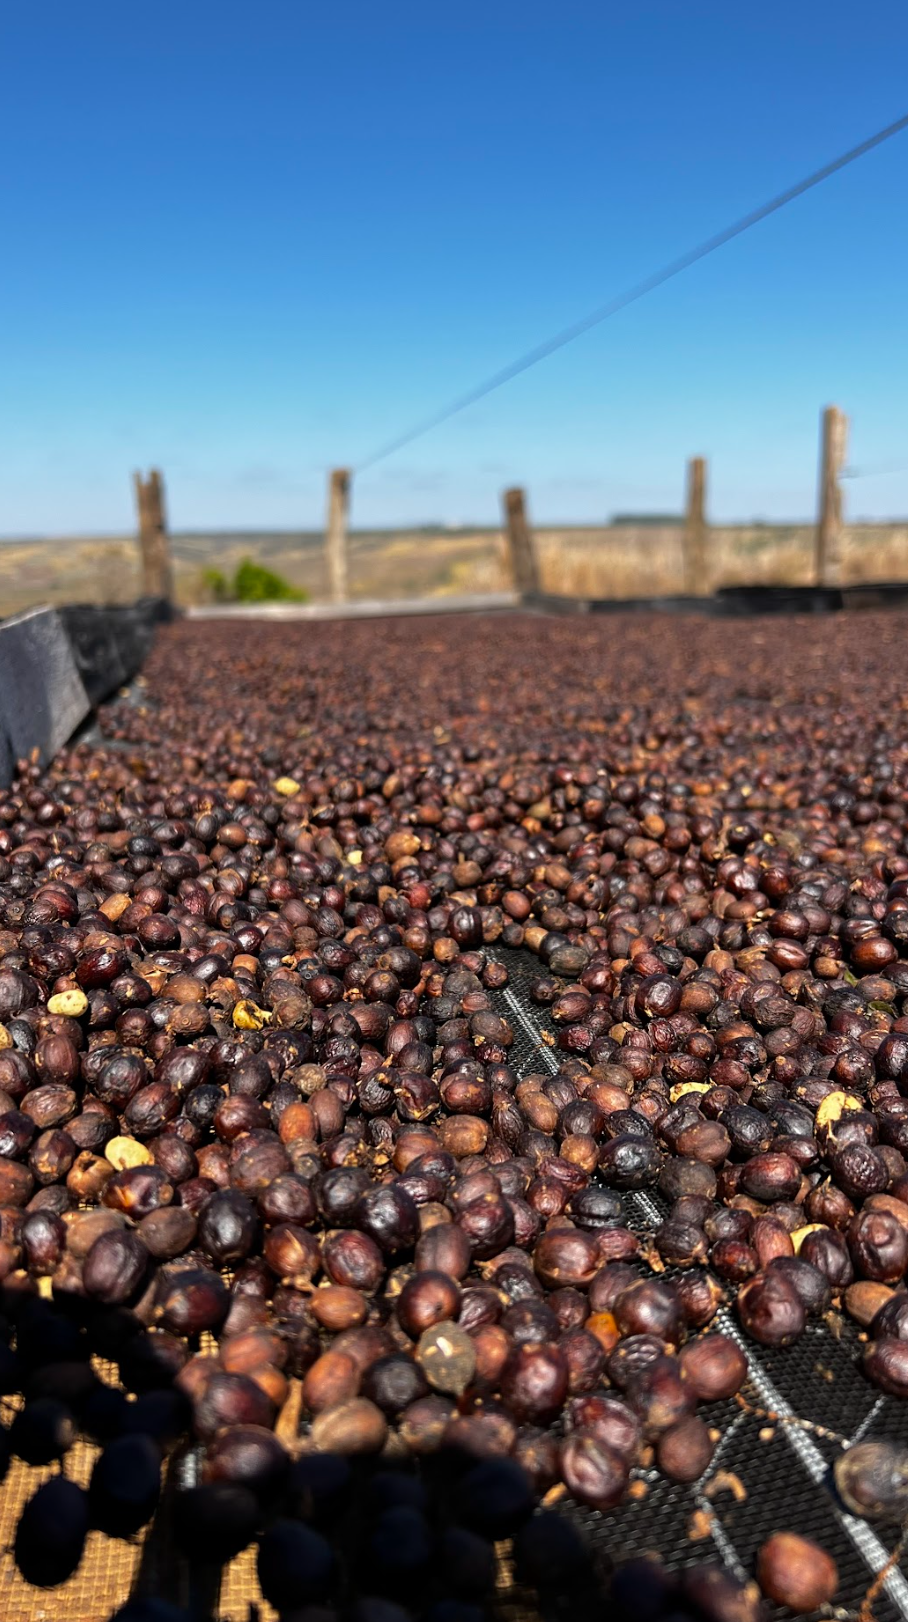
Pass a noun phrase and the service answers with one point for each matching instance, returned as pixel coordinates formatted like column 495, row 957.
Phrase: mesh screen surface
column 770, row 1472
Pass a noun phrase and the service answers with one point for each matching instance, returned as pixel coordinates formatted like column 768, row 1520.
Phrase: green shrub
column 216, row 584
column 253, row 583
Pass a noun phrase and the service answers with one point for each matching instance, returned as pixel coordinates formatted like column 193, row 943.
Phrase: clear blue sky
column 249, row 241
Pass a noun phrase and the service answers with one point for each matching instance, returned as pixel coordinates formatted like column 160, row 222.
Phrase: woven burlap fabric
column 107, row 1571
column 112, row 1569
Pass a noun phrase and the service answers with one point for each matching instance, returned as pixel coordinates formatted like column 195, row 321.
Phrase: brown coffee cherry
column 793, row 1571
column 43, row 1239
column 885, row 1362
column 51, row 1156
column 168, row 1232
column 770, row 1239
column 84, row 1227
column 428, row 1298
column 422, row 1426
column 332, row 1379
column 661, row 1396
column 879, row 1246
column 444, row 1248
column 138, row 1190
column 734, row 1260
column 684, row 1451
column 650, row 1308
column 872, row 1480
column 228, row 1400
column 566, row 1256
column 192, row 1301
column 860, row 1170
column 770, row 1177
column 681, row 1244
column 292, row 1253
column 770, row 1310
column 354, row 1259
column 394, row 1383
column 609, row 1420
column 715, row 1366
column 288, row 1199
column 353, row 1427
column 827, row 1250
column 712, row 1593
column 608, row 1285
column 534, row 1383
column 585, row 1357
column 88, row 1176
column 862, row 1301
column 593, row 1473
column 115, row 1266
column 248, row 1456
column 486, row 1433
column 809, row 1283
column 228, row 1227
column 700, row 1297
column 892, row 1316
column 255, row 1349
column 336, row 1307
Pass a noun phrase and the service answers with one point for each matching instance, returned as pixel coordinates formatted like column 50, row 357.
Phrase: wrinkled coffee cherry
column 771, row 1310
column 593, row 1473
column 115, row 1267
column 715, row 1366
column 872, row 1480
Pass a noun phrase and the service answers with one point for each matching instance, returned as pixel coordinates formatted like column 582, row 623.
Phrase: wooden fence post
column 336, row 534
column 520, row 542
column 157, row 568
column 833, row 449
column 695, row 561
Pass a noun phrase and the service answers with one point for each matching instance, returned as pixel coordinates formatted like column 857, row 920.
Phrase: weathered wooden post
column 833, row 450
column 520, row 542
column 157, row 568
column 696, row 566
column 336, row 534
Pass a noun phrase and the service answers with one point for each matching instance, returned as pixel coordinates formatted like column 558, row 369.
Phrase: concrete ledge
column 110, row 645
column 735, row 602
column 367, row 608
column 729, row 602
column 95, row 649
column 42, row 697
column 56, row 665
column 884, row 594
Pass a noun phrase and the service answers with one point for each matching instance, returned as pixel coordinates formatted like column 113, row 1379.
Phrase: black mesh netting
column 772, row 1467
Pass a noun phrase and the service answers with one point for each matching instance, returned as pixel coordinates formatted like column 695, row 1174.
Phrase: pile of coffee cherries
column 261, row 1128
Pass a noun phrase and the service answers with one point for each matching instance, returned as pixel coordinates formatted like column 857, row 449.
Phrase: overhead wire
column 877, row 471
column 631, row 295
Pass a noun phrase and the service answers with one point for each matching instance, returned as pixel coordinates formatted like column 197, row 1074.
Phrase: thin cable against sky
column 631, row 295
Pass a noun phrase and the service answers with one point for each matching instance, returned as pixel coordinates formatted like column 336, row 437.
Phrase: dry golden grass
column 407, row 564
column 614, row 561
column 875, row 552
column 638, row 561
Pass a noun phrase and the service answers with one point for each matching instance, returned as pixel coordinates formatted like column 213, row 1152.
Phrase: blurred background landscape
column 614, row 560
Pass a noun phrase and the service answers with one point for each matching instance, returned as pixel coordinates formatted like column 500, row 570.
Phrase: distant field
column 619, row 560
column 107, row 569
